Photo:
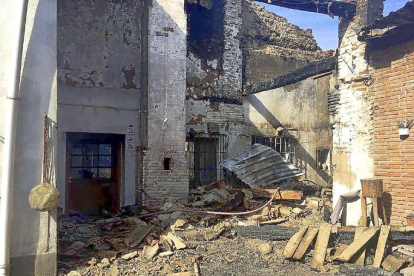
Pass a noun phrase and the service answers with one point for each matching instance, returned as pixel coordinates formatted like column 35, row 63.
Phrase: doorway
column 94, row 166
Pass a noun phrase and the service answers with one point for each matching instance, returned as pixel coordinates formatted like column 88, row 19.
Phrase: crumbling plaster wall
column 167, row 51
column 218, row 75
column 302, row 109
column 214, row 86
column 353, row 125
column 99, row 65
column 33, row 234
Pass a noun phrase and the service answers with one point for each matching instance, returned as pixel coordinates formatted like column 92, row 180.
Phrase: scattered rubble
column 246, row 234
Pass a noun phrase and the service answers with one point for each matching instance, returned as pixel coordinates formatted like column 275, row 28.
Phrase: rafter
column 329, row 7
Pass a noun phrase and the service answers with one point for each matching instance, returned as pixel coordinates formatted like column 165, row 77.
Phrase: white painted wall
column 96, row 110
column 32, row 233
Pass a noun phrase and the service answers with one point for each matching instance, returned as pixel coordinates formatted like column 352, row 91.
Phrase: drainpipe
column 16, row 43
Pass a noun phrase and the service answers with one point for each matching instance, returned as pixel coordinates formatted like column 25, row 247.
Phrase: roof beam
column 309, row 70
column 329, row 7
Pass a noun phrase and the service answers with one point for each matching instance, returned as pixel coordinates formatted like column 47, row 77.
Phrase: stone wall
column 166, row 131
column 272, row 46
column 393, row 96
column 302, row 109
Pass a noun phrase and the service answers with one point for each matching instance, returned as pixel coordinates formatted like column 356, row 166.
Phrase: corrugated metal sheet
column 260, row 166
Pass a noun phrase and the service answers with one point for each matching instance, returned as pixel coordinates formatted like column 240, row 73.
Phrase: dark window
column 167, row 164
column 90, row 160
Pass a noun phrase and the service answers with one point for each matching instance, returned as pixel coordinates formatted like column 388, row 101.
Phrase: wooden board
column 393, row 264
column 268, row 193
column 305, row 243
column 354, row 247
column 294, row 242
column 382, row 242
column 320, row 247
column 360, row 255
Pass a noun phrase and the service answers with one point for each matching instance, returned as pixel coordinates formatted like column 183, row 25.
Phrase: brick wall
column 167, row 53
column 393, row 92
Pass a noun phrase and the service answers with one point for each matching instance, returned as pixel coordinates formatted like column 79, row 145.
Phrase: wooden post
column 364, row 219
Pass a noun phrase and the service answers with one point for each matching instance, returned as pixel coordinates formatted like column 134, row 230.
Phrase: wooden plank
column 393, row 264
column 320, row 247
column 275, row 221
column 268, row 193
column 360, row 255
column 339, row 249
column 364, row 219
column 354, row 247
column 294, row 242
column 375, row 210
column 382, row 242
column 305, row 243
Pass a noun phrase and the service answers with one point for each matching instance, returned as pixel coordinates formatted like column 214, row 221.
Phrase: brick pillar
column 165, row 165
column 353, row 125
column 368, row 11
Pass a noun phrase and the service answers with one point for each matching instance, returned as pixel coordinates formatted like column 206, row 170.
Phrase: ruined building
column 145, row 99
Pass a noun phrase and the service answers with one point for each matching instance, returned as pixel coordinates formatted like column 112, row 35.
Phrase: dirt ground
column 224, row 255
column 180, row 243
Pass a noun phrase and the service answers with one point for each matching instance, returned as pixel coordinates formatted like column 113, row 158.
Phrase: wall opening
column 283, row 145
column 167, row 164
column 324, row 163
column 205, row 153
column 93, row 172
column 205, row 28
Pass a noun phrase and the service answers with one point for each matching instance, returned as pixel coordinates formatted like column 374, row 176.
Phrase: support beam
column 332, row 8
column 307, row 71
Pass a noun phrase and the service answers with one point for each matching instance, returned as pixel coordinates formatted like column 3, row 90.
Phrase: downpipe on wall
column 16, row 43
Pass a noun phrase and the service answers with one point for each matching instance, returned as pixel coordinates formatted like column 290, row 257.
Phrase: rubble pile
column 228, row 231
column 178, row 238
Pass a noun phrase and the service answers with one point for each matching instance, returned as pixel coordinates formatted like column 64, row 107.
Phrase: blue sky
column 325, row 29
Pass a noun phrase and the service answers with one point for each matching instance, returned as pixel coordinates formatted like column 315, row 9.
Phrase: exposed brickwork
column 393, row 91
column 166, row 103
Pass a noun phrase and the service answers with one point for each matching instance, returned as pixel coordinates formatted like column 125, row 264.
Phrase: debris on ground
column 228, row 231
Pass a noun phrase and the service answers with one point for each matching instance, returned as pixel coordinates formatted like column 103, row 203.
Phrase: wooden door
column 94, row 173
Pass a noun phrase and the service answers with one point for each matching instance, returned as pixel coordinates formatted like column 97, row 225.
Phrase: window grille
column 205, row 153
column 283, row 145
column 90, row 160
